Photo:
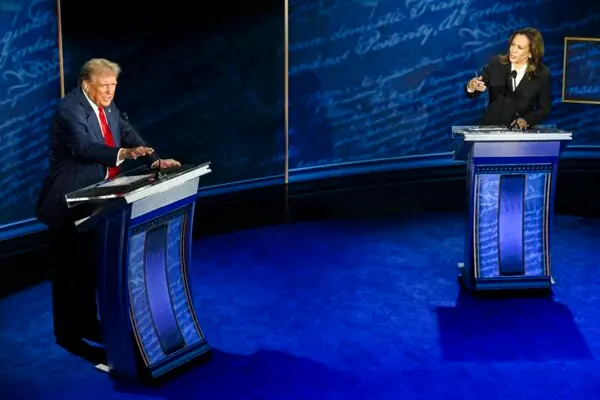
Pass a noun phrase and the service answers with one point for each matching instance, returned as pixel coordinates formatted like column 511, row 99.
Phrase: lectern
column 143, row 224
column 511, row 178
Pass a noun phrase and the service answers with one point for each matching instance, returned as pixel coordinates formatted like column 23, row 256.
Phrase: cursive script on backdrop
column 216, row 95
column 582, row 70
column 390, row 75
column 29, row 90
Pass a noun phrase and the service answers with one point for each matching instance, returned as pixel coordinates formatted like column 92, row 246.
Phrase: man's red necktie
column 108, row 139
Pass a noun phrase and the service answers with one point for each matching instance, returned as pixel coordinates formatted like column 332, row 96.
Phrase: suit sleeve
column 79, row 143
column 130, row 138
column 544, row 103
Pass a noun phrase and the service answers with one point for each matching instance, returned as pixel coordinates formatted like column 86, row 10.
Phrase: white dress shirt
column 520, row 75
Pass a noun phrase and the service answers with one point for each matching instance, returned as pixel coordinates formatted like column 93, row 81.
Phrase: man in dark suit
column 519, row 83
column 89, row 141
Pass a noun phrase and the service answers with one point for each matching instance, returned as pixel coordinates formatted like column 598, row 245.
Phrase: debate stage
column 350, row 290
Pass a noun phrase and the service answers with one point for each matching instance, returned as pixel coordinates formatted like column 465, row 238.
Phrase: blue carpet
column 354, row 309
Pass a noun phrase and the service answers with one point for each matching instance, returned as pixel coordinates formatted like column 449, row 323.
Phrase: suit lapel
column 525, row 84
column 91, row 119
column 94, row 124
column 508, row 81
column 112, row 116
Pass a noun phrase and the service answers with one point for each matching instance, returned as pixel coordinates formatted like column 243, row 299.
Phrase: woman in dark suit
column 530, row 101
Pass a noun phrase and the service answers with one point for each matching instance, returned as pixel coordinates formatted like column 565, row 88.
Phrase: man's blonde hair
column 98, row 66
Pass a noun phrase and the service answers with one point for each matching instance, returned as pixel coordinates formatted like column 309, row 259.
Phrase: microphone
column 514, row 76
column 125, row 117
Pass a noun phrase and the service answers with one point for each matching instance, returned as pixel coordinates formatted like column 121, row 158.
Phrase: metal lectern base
column 510, row 283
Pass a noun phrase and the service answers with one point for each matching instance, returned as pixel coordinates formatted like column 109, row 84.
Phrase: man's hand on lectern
column 134, row 153
column 166, row 164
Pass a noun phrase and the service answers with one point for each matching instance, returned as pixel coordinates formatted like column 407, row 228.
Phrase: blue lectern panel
column 161, row 307
column 510, row 224
column 159, row 300
column 176, row 276
column 140, row 308
column 512, row 204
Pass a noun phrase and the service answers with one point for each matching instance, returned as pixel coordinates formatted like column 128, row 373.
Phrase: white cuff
column 119, row 160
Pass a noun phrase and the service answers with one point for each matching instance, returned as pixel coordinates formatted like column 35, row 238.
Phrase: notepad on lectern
column 125, row 180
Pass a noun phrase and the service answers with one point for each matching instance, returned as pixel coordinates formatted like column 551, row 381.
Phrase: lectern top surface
column 126, row 180
column 501, row 129
column 500, row 132
column 130, row 183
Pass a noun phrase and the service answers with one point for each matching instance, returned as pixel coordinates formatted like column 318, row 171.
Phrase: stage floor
column 365, row 308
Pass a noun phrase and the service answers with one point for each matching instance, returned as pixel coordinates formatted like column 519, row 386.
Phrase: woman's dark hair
column 536, row 47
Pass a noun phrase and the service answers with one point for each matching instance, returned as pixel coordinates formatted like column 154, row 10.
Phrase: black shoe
column 78, row 347
column 93, row 333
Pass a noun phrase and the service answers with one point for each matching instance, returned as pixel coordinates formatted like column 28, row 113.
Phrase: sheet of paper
column 125, row 180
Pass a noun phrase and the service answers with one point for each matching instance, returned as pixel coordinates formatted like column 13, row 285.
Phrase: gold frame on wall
column 564, row 80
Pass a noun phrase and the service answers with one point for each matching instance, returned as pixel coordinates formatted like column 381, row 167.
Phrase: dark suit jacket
column 532, row 100
column 78, row 155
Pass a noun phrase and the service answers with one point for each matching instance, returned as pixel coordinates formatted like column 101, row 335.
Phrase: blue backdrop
column 582, row 70
column 198, row 87
column 372, row 79
column 368, row 79
column 29, row 89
